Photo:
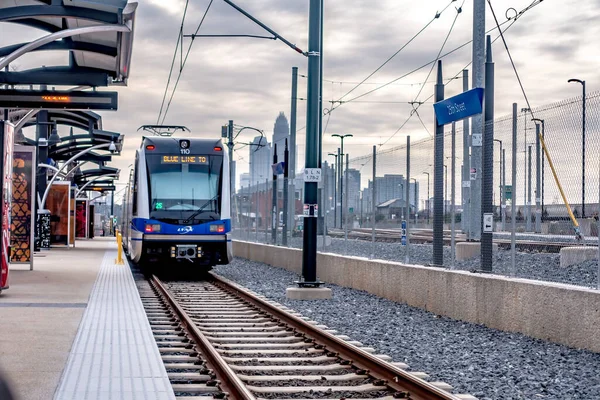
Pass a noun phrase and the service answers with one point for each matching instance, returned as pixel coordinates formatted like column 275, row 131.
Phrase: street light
column 428, row 205
column 341, row 184
column 543, row 160
column 335, row 183
column 582, row 148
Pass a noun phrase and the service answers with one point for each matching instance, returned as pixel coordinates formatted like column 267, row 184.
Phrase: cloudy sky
column 249, row 80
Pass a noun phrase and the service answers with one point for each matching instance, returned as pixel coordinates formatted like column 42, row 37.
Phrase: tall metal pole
column 345, row 206
column 374, row 207
column 529, row 190
column 338, row 205
column 407, row 252
column 583, row 157
column 267, row 210
column 501, row 183
column 503, row 189
column 309, row 248
column 275, row 216
column 286, row 159
column 487, row 194
column 438, row 178
column 292, row 169
column 231, row 172
column 477, row 127
column 257, row 197
column 513, row 207
column 428, row 200
column 543, row 165
column 320, row 225
column 452, row 196
column 466, row 176
column 538, row 183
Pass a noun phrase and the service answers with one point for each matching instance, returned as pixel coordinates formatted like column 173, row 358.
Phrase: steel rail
column 406, row 385
column 230, row 382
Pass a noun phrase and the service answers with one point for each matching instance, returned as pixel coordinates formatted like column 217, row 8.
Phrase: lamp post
column 341, row 184
column 427, row 202
column 582, row 148
column 543, row 161
column 335, row 188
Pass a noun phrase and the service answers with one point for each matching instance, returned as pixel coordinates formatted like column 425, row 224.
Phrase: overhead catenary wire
column 179, row 37
column 185, row 60
column 512, row 20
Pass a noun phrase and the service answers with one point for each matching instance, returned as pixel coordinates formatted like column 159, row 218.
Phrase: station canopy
column 98, row 34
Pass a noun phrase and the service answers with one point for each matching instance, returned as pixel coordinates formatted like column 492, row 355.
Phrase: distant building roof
column 390, row 203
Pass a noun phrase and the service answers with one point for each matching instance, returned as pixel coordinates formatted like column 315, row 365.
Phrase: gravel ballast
column 486, row 363
column 539, row 266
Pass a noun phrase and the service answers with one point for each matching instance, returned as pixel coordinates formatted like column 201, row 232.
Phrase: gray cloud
column 248, row 80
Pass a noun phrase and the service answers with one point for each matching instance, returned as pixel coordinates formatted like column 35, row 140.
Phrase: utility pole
column 466, row 178
column 438, row 178
column 292, row 169
column 538, row 211
column 320, row 225
column 230, row 148
column 309, row 248
column 582, row 148
column 286, row 159
column 275, row 217
column 477, row 128
column 487, row 200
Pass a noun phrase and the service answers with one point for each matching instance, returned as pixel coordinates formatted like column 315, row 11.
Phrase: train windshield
column 185, row 189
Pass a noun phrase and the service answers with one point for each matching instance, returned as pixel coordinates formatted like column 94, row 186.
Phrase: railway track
column 424, row 236
column 218, row 340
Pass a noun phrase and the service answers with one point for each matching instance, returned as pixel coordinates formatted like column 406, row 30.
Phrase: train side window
column 135, row 186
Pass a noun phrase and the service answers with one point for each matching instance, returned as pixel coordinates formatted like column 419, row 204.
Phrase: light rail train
column 177, row 204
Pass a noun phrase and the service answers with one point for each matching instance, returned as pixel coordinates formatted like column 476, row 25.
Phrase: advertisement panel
column 58, row 204
column 6, row 173
column 23, row 191
column 81, row 220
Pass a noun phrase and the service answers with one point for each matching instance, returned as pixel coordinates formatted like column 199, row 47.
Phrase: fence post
column 513, row 213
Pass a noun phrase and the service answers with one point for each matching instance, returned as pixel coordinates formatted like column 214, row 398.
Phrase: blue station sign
column 459, row 107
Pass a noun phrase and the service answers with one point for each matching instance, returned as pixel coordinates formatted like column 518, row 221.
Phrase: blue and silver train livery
column 177, row 204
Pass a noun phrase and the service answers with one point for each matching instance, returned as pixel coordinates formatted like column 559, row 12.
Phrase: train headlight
column 151, row 228
column 217, row 228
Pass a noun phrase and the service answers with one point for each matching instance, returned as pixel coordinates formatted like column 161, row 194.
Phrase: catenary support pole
column 528, row 223
column 373, row 203
column 293, row 147
column 438, row 179
column 345, row 206
column 538, row 183
column 231, row 171
column 487, row 194
column 453, row 197
column 309, row 248
column 407, row 201
column 477, row 120
column 503, row 190
column 320, row 189
column 275, row 216
column 466, row 175
column 286, row 207
column 513, row 212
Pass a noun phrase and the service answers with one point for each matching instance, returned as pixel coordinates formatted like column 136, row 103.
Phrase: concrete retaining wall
column 558, row 313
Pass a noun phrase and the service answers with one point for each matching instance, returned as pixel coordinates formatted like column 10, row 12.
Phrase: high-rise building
column 260, row 160
column 281, row 132
column 353, row 188
column 245, row 180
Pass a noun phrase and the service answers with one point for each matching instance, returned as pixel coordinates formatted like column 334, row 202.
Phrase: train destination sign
column 459, row 107
column 58, row 99
column 177, row 159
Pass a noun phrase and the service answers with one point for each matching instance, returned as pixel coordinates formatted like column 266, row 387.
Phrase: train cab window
column 185, row 191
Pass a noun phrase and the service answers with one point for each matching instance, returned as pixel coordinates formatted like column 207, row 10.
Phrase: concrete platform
column 296, row 293
column 577, row 254
column 40, row 316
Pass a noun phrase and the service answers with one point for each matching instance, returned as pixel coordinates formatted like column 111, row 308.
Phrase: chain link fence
column 383, row 199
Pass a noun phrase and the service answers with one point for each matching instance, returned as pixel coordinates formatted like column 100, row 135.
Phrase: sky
column 249, row 80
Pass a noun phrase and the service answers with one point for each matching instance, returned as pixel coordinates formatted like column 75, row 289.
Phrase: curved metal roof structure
column 97, row 33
